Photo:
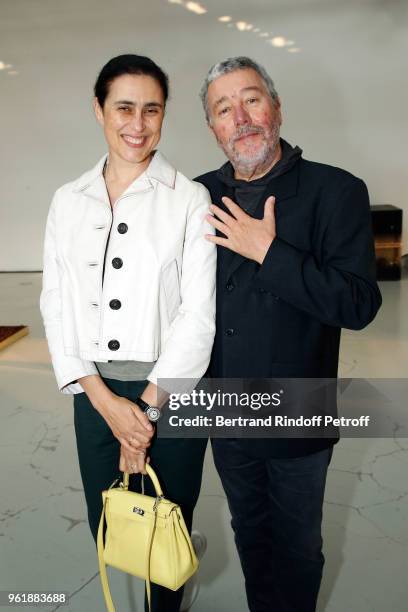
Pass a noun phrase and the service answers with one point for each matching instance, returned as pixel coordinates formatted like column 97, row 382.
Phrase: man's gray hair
column 230, row 65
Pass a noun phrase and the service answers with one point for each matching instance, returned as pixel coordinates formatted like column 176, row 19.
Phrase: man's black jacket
column 283, row 319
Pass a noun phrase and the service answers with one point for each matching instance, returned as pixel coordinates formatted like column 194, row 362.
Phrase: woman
column 128, row 296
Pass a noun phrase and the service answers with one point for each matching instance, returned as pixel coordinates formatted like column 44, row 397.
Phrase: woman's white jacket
column 157, row 302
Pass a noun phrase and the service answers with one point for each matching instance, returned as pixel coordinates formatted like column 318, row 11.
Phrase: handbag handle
column 102, row 567
column 152, row 475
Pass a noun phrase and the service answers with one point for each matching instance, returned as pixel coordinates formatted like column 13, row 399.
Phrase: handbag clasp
column 138, row 510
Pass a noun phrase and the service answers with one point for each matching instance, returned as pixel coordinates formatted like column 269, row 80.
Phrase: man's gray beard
column 247, row 164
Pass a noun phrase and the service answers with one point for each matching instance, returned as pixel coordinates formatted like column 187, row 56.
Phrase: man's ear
column 98, row 111
column 210, row 127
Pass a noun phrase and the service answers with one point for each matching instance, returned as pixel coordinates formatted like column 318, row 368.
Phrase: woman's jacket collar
column 159, row 170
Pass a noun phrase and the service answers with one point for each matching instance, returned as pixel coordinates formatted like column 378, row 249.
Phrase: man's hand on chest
column 245, row 235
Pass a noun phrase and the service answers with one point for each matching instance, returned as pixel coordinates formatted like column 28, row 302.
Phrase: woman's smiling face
column 132, row 117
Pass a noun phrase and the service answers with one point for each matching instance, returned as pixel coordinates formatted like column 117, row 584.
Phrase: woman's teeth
column 132, row 140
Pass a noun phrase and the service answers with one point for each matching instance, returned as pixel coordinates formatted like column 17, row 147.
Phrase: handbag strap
column 152, row 475
column 149, row 555
column 102, row 566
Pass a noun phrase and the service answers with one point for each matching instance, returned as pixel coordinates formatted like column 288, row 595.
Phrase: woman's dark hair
column 129, row 64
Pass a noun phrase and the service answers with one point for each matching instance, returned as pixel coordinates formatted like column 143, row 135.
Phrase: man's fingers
column 222, row 227
column 217, row 240
column 222, row 215
column 269, row 208
column 233, row 208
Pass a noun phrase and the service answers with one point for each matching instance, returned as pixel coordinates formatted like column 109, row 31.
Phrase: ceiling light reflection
column 278, row 41
column 195, row 7
column 242, row 26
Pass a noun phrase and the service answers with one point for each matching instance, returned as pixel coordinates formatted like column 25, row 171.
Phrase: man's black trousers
column 276, row 509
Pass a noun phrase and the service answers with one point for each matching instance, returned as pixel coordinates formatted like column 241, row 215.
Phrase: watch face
column 153, row 413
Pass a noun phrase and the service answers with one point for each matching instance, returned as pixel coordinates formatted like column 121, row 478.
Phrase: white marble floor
column 44, row 539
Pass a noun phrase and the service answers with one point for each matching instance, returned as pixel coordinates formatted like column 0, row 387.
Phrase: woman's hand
column 133, row 462
column 128, row 422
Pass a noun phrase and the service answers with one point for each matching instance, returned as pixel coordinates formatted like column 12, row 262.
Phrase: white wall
column 344, row 95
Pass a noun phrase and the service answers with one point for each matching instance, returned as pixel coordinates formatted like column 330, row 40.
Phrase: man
column 295, row 265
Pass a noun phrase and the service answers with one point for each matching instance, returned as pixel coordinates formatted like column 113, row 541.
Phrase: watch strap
column 142, row 404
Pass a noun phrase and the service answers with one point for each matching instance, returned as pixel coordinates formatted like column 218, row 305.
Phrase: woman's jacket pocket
column 170, row 285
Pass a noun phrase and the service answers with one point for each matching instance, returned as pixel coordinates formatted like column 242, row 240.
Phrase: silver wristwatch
column 152, row 412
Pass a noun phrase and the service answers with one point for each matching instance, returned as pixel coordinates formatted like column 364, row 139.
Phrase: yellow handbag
column 145, row 536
